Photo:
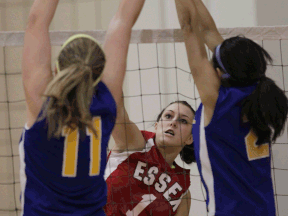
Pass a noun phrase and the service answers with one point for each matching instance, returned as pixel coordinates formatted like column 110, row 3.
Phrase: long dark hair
column 187, row 153
column 266, row 108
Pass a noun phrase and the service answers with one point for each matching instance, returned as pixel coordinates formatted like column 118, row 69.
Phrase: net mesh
column 157, row 74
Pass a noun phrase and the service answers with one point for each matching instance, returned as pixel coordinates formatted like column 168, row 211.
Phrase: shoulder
column 103, row 100
column 147, row 135
column 41, row 123
column 181, row 170
column 234, row 94
column 102, row 86
column 229, row 105
column 102, row 89
column 230, row 97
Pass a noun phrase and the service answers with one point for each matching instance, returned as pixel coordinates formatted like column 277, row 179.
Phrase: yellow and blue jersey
column 235, row 172
column 65, row 176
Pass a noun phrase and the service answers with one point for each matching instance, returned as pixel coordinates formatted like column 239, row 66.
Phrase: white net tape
column 155, row 35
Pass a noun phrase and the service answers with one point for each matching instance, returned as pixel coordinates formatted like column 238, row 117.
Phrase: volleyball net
column 157, row 74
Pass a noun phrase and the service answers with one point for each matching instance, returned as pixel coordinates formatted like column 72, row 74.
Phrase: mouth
column 170, row 132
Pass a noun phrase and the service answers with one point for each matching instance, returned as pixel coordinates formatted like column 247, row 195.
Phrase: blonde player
column 63, row 145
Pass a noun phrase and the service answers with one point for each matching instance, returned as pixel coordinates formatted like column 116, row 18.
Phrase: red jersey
column 142, row 182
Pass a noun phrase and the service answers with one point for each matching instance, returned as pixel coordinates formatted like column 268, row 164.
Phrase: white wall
column 233, row 13
column 271, row 13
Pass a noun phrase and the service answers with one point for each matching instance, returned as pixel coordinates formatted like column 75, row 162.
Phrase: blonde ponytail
column 69, row 94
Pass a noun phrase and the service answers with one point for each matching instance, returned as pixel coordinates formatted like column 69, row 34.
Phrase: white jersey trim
column 26, row 126
column 115, row 159
column 23, row 177
column 206, row 167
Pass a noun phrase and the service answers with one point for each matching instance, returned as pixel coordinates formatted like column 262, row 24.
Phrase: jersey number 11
column 71, row 145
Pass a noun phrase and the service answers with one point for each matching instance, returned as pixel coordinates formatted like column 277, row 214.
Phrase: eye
column 168, row 116
column 184, row 121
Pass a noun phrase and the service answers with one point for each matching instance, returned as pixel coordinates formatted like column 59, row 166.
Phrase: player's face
column 175, row 126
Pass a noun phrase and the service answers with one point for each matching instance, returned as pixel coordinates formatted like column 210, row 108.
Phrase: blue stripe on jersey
column 46, row 191
column 242, row 182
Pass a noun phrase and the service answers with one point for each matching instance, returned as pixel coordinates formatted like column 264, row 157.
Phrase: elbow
column 186, row 28
column 32, row 20
column 120, row 22
column 35, row 21
column 123, row 18
column 194, row 71
column 188, row 24
column 116, row 28
column 185, row 20
column 196, row 67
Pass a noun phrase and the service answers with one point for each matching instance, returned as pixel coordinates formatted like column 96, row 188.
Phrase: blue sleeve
column 103, row 102
column 229, row 98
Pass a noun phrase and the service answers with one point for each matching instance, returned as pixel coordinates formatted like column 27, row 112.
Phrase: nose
column 173, row 122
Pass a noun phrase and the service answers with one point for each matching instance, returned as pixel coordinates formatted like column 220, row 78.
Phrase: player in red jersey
column 141, row 175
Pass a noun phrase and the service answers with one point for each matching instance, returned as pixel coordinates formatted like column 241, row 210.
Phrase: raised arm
column 117, row 43
column 189, row 21
column 126, row 134
column 204, row 75
column 211, row 35
column 36, row 64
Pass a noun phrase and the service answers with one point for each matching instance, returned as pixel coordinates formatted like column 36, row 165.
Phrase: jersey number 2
column 255, row 152
column 71, row 145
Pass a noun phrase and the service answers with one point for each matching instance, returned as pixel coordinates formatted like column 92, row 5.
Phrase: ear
column 189, row 140
column 155, row 126
column 219, row 72
column 55, row 71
